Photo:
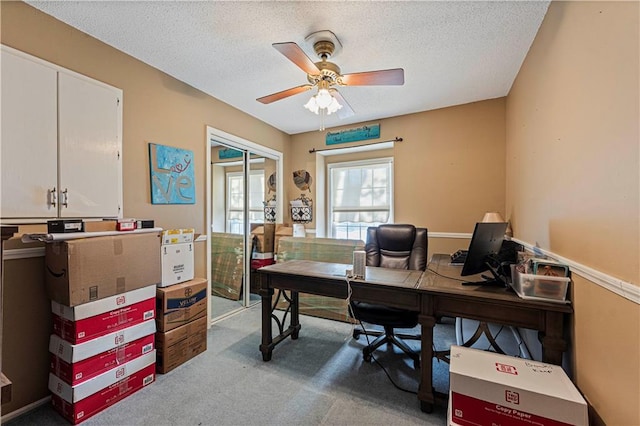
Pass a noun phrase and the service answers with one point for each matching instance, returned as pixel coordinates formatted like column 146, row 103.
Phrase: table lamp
column 497, row 217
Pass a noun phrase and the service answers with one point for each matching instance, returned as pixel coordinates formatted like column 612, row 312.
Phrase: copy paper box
column 90, row 320
column 488, row 388
column 179, row 345
column 77, row 363
column 87, row 269
column 181, row 303
column 177, row 263
column 77, row 412
column 87, row 388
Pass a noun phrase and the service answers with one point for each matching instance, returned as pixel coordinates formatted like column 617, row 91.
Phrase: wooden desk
column 442, row 296
column 394, row 287
column 431, row 294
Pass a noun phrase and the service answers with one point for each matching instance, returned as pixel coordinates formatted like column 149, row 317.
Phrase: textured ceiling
column 452, row 52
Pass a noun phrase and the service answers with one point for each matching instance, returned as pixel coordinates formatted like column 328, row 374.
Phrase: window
column 360, row 195
column 235, row 200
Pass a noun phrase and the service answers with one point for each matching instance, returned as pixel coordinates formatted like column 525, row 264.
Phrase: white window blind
column 361, row 195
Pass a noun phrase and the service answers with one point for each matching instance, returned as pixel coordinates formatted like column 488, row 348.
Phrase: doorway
column 243, row 180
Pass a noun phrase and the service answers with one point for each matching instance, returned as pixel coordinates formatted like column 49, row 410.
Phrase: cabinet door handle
column 53, row 197
column 64, row 198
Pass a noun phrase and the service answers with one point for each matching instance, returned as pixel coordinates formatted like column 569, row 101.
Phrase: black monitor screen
column 485, row 242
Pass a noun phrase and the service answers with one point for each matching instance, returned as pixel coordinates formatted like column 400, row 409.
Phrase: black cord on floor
column 382, row 366
column 350, row 311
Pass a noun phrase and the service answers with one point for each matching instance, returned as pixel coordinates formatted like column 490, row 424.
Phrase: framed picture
column 172, row 175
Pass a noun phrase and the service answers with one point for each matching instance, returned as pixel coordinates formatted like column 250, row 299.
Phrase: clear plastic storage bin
column 540, row 287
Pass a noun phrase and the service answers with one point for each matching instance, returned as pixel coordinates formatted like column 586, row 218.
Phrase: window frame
column 389, row 161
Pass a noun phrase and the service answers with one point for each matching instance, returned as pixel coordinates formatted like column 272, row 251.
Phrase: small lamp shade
column 492, row 217
column 497, row 217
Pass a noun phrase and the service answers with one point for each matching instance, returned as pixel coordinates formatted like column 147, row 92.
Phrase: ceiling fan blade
column 346, row 110
column 295, row 54
column 392, row 77
column 284, row 94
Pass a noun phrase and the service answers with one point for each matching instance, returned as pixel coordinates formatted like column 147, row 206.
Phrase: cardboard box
column 263, row 238
column 177, row 263
column 178, row 236
column 77, row 412
column 488, row 388
column 87, row 269
column 179, row 304
column 87, row 388
column 94, row 319
column 77, row 363
column 179, row 345
column 281, row 231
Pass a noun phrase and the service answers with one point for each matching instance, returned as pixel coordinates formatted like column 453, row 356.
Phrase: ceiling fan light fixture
column 323, row 102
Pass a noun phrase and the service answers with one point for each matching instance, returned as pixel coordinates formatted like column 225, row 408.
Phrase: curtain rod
column 397, row 139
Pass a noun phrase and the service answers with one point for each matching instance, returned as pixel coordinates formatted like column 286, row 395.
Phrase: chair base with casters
column 393, row 318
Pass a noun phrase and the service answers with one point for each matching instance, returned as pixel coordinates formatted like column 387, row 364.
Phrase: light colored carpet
column 319, row 379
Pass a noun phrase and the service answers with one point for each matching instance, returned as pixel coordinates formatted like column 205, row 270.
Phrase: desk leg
column 552, row 339
column 267, row 337
column 425, row 390
column 295, row 315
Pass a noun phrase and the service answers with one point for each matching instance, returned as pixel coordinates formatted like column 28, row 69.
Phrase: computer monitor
column 485, row 245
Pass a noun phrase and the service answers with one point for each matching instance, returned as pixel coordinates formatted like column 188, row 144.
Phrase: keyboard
column 459, row 257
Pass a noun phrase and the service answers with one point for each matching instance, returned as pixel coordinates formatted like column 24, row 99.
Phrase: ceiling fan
column 326, row 75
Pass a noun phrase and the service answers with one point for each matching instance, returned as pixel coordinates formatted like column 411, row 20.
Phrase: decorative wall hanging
column 302, row 179
column 226, row 153
column 371, row 131
column 271, row 182
column 270, row 209
column 172, row 175
column 302, row 209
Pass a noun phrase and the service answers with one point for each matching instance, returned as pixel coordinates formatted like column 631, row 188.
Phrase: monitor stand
column 496, row 280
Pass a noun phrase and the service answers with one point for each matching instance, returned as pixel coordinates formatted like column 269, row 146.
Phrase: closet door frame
column 214, row 135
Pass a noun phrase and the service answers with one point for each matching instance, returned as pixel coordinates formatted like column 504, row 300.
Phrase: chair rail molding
column 620, row 287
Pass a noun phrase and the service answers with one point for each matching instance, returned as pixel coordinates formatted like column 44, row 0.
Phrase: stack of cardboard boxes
column 103, row 305
column 181, row 303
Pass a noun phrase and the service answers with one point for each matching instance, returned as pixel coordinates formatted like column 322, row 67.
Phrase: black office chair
column 398, row 247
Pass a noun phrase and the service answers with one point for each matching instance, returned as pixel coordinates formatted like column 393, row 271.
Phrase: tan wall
column 157, row 108
column 448, row 170
column 573, row 183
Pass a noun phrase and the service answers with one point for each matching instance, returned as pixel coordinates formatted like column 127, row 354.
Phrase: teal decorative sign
column 225, row 153
column 359, row 134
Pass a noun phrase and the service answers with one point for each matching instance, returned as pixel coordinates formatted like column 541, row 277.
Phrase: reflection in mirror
column 243, row 199
column 227, row 229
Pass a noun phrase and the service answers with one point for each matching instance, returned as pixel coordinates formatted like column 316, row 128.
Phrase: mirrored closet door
column 243, row 197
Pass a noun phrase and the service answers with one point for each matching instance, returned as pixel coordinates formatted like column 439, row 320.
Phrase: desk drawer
column 387, row 296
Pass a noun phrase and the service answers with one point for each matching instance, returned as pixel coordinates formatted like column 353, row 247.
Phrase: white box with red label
column 84, row 389
column 489, row 388
column 77, row 412
column 76, row 363
column 84, row 322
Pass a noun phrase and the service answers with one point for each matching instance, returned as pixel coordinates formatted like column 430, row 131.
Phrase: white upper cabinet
column 29, row 137
column 61, row 147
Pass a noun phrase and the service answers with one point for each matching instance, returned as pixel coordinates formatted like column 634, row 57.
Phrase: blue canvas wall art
column 172, row 175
